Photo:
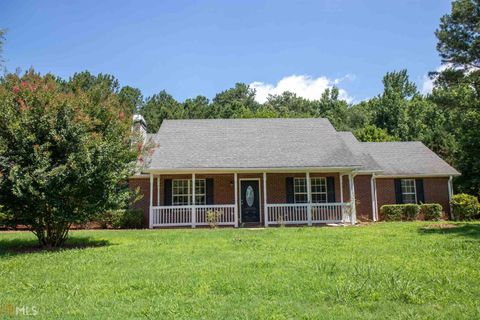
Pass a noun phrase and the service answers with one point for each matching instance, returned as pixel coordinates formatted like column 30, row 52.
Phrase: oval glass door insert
column 249, row 196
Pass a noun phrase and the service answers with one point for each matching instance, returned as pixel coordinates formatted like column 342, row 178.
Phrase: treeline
column 399, row 113
column 447, row 120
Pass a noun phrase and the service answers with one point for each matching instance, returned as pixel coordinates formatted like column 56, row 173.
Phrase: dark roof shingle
column 407, row 158
column 284, row 143
column 250, row 143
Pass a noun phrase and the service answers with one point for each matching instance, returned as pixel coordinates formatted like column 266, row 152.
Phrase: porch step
column 251, row 225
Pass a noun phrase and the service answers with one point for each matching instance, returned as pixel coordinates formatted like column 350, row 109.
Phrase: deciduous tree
column 65, row 155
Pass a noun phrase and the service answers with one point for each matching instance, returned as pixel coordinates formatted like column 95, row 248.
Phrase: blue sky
column 204, row 47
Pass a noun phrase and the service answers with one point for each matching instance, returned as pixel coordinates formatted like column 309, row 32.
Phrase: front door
column 249, row 201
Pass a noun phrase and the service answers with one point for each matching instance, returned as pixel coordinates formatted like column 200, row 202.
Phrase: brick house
column 280, row 171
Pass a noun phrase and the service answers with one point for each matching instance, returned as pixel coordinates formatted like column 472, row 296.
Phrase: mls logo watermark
column 11, row 310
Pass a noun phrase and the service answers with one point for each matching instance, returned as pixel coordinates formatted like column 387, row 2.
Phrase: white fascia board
column 433, row 175
column 251, row 170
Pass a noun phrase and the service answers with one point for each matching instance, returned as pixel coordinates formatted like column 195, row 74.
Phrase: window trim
column 295, row 193
column 409, row 193
column 190, row 193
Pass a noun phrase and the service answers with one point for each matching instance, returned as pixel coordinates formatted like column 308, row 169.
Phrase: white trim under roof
column 416, row 175
column 251, row 170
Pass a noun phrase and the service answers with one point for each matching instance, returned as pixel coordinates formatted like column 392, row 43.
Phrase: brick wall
column 362, row 194
column 223, row 192
column 144, row 190
column 435, row 191
column 363, row 197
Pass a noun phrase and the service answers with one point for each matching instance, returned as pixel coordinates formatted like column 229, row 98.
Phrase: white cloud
column 427, row 83
column 303, row 85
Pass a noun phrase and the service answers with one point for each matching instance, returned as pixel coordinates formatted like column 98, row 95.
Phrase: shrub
column 465, row 207
column 391, row 212
column 126, row 219
column 431, row 211
column 410, row 211
column 3, row 220
column 213, row 217
column 397, row 212
column 6, row 221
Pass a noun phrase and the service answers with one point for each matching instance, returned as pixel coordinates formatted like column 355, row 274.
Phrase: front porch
column 267, row 198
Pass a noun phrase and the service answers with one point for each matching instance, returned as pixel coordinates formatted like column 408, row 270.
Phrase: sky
column 191, row 48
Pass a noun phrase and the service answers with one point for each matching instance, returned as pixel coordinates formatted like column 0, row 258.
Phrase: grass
column 395, row 270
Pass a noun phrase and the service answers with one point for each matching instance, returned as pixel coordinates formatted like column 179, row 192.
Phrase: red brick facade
column 435, row 190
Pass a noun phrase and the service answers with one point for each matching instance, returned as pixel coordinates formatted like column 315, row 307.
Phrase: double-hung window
column 319, row 190
column 409, row 192
column 182, row 192
column 318, row 187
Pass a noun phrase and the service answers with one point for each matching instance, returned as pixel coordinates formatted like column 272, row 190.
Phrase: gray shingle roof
column 357, row 148
column 283, row 143
column 407, row 158
column 250, row 143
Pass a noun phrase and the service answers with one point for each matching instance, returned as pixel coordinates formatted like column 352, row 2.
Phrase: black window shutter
column 167, row 192
column 398, row 191
column 289, row 189
column 420, row 193
column 209, row 191
column 331, row 189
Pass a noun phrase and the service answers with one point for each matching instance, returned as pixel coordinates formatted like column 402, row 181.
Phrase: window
column 300, row 190
column 182, row 192
column 318, row 188
column 409, row 194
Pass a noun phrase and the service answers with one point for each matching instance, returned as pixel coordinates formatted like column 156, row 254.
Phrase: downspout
column 353, row 205
column 373, row 187
column 450, row 195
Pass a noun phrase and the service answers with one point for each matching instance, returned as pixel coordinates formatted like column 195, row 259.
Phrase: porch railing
column 304, row 213
column 177, row 216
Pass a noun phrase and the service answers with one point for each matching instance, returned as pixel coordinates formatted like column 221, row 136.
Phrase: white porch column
column 353, row 208
column 150, row 215
column 341, row 189
column 265, row 209
column 235, row 190
column 194, row 214
column 158, row 190
column 342, row 208
column 450, row 194
column 309, row 199
column 373, row 183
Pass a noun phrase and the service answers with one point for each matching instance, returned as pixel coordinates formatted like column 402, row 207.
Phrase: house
column 281, row 171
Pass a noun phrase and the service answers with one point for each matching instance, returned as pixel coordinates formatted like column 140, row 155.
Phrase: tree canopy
column 66, row 152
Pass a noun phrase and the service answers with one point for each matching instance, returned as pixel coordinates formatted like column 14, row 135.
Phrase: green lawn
column 396, row 270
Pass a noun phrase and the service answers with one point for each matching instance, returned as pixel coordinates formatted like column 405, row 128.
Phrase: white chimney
column 140, row 125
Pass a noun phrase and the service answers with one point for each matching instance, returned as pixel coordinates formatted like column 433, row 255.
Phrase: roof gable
column 250, row 143
column 407, row 158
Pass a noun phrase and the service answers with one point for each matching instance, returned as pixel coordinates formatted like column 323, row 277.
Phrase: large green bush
column 465, row 207
column 410, row 211
column 126, row 219
column 391, row 212
column 397, row 212
column 431, row 211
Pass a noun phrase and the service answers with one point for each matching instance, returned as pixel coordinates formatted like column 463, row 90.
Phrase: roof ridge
column 246, row 119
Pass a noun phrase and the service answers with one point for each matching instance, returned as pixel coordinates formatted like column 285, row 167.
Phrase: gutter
column 250, row 170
